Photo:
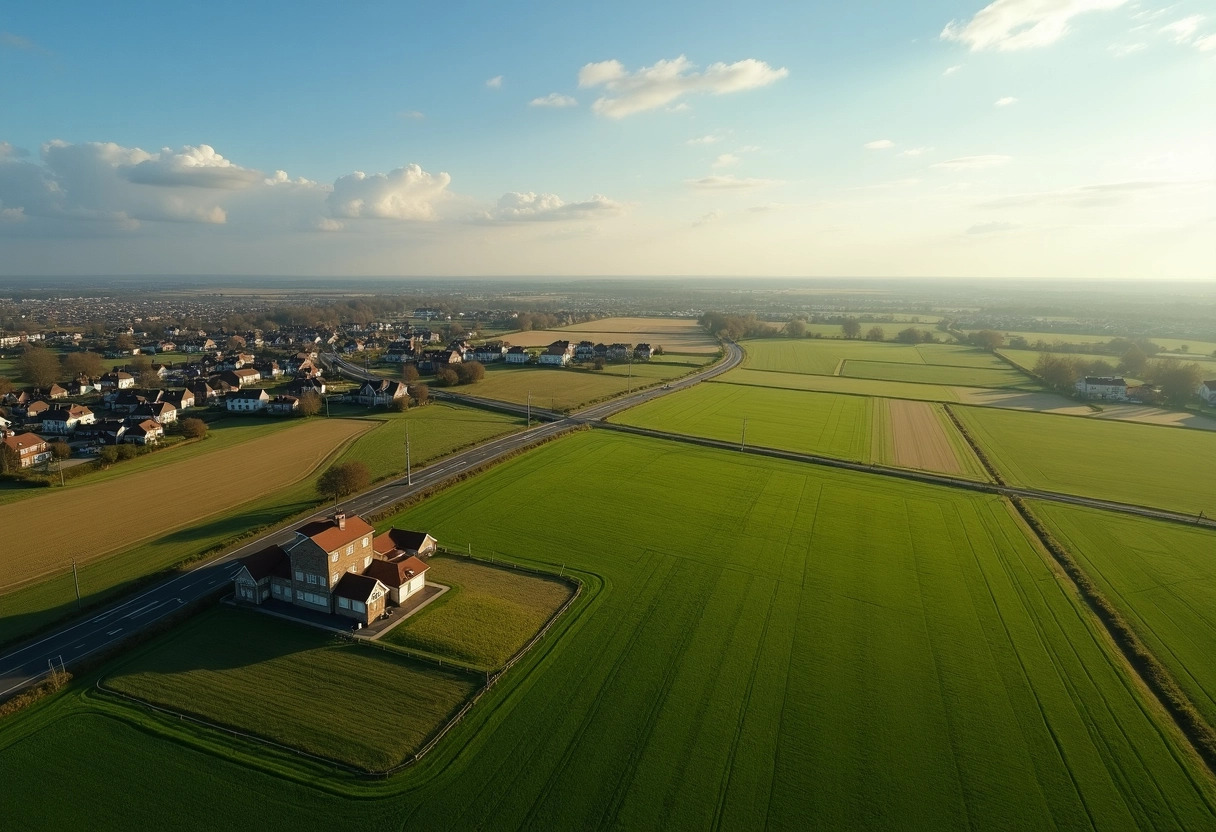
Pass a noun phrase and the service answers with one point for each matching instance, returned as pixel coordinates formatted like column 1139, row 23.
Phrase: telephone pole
column 76, row 580
column 743, row 441
column 409, row 476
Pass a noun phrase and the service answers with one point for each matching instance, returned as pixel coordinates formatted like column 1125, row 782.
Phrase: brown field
column 915, row 437
column 673, row 335
column 1155, row 416
column 91, row 521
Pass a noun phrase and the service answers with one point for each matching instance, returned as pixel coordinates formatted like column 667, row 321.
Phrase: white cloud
column 660, row 84
column 1182, row 30
column 531, row 207
column 8, row 151
column 879, row 144
column 950, row 70
column 706, row 219
column 992, row 227
column 1006, row 101
column 411, row 115
column 1089, row 196
column 554, row 99
column 494, row 83
column 710, row 139
column 729, row 182
column 193, row 166
column 407, row 193
column 914, row 151
column 1006, row 25
column 725, row 160
column 328, row 224
column 973, row 162
column 1206, row 44
column 1122, row 50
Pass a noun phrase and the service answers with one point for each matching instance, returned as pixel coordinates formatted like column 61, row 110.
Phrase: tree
column 149, row 380
column 421, row 393
column 598, row 363
column 875, row 333
column 108, row 455
column 912, row 335
column 1178, row 381
column 61, row 449
column 139, row 363
column 796, row 328
column 235, row 343
column 39, row 366
column 310, row 404
column 343, row 479
column 193, row 428
column 82, row 364
column 987, row 339
column 446, row 377
column 6, row 386
column 1134, row 361
column 1058, row 372
column 658, row 350
column 10, row 460
column 127, row 451
column 470, row 372
column 399, row 405
column 851, row 328
column 409, row 372
column 124, row 342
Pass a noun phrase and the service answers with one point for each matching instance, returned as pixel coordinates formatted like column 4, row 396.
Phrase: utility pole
column 61, row 473
column 409, row 476
column 743, row 441
column 76, row 580
column 529, row 408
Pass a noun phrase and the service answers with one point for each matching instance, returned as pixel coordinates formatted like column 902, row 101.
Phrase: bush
column 108, row 455
column 421, row 393
column 193, row 428
column 446, row 377
column 310, row 404
column 399, row 405
column 127, row 451
column 343, row 479
column 60, row 449
column 470, row 372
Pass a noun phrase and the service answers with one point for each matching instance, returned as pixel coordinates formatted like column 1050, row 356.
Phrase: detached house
column 1207, row 392
column 557, row 354
column 1103, row 387
column 160, row 412
column 332, row 566
column 65, row 420
column 30, row 448
column 117, row 380
column 240, row 378
column 247, row 401
column 381, row 392
column 146, row 432
column 518, row 355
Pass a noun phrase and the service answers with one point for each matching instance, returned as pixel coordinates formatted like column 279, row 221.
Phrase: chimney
column 340, row 519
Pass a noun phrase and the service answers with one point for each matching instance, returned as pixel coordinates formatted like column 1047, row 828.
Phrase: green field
column 769, row 644
column 1162, row 577
column 296, row 686
column 435, row 431
column 794, row 420
column 487, row 616
column 838, row 384
column 826, row 357
column 1132, row 463
column 939, row 374
column 1195, row 348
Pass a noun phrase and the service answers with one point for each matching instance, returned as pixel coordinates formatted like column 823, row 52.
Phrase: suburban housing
column 337, row 566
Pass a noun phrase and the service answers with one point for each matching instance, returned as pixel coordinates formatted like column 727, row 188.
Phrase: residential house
column 203, row 392
column 240, row 378
column 381, row 392
column 83, row 386
column 283, row 405
column 489, row 353
column 618, row 352
column 1207, row 392
column 557, row 354
column 145, row 432
column 247, row 401
column 65, row 420
column 268, row 369
column 117, row 380
column 162, row 413
column 402, row 577
column 642, row 352
column 300, row 386
column 103, row 432
column 30, row 448
column 33, row 410
column 396, row 543
column 518, row 355
column 601, row 351
column 127, row 401
column 1110, row 388
column 585, row 351
column 180, row 399
column 53, row 392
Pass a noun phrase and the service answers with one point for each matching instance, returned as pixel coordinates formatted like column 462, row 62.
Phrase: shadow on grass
column 233, row 524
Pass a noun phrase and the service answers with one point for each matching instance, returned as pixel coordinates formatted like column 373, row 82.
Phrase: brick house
column 30, row 448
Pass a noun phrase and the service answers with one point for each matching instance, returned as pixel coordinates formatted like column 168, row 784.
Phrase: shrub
column 343, row 479
column 470, row 372
column 193, row 428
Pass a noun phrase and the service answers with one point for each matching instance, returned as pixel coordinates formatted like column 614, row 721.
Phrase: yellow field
column 671, row 334
column 89, row 522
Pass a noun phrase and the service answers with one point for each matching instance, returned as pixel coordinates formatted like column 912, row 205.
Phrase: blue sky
column 1017, row 138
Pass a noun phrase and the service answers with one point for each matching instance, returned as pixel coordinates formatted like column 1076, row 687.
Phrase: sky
column 1023, row 138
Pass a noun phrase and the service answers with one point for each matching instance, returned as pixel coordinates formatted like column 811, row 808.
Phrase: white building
column 1110, row 388
column 247, row 401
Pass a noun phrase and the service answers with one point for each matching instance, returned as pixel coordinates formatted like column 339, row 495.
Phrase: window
column 299, row 595
column 350, row 550
column 365, row 543
column 344, row 603
column 312, row 579
column 299, row 575
column 333, row 579
column 333, row 558
column 367, row 561
column 358, row 606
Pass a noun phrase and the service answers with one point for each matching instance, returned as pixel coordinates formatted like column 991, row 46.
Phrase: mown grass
column 939, row 374
column 771, row 644
column 1133, row 463
column 296, row 686
column 838, row 384
column 823, row 356
column 822, row 423
column 488, row 614
column 1162, row 577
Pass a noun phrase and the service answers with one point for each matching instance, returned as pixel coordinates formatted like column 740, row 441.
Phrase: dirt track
column 918, row 437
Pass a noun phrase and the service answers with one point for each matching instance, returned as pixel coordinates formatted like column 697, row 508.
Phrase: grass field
column 297, row 686
column 1162, row 577
column 674, row 335
column 770, row 642
column 794, row 420
column 829, row 357
column 486, row 617
column 1132, row 463
column 107, row 517
column 939, row 374
column 557, row 388
column 1198, row 348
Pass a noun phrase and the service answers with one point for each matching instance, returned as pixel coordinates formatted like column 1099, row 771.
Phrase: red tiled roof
column 398, row 540
column 327, row 535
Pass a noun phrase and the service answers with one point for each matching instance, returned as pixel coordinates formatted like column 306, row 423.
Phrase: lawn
column 939, row 374
column 486, row 617
column 1149, row 465
column 794, row 420
column 1162, row 577
column 297, row 686
column 768, row 644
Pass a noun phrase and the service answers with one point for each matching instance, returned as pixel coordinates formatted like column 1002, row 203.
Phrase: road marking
column 143, row 609
column 112, row 632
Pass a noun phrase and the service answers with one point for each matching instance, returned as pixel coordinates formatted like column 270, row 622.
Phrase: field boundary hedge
column 491, row 679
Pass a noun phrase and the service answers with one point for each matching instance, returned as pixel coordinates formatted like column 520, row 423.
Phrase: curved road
column 108, row 627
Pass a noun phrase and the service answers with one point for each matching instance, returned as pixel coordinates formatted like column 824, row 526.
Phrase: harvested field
column 672, row 334
column 1155, row 416
column 918, row 435
column 1019, row 400
column 92, row 521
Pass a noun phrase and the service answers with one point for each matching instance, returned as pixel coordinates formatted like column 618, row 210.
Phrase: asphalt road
column 108, row 627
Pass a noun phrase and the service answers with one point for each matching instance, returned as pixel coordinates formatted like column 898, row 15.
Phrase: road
column 107, row 628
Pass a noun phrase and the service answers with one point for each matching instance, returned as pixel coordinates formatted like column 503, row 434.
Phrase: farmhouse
column 332, row 566
column 381, row 392
column 147, row 432
column 1207, row 392
column 1103, row 387
column 30, row 448
column 557, row 354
